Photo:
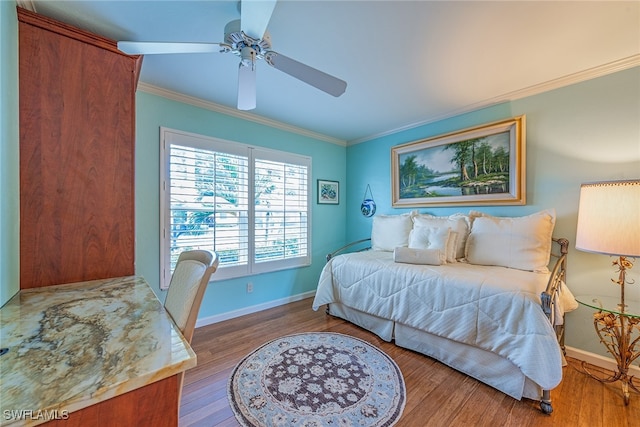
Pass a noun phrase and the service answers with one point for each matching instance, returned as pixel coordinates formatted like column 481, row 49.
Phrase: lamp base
column 619, row 333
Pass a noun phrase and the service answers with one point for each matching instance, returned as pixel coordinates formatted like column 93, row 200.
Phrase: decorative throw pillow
column 458, row 223
column 430, row 238
column 515, row 242
column 390, row 231
column 418, row 256
column 452, row 245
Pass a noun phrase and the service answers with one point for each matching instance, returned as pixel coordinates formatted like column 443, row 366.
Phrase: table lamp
column 609, row 223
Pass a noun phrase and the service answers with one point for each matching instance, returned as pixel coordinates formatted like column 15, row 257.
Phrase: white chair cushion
column 182, row 290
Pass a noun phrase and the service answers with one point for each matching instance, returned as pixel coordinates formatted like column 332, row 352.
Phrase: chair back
column 186, row 289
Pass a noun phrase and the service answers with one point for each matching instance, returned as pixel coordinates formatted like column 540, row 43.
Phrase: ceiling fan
column 249, row 39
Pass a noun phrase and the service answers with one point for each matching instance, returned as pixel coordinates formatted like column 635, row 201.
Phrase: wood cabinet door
column 77, row 137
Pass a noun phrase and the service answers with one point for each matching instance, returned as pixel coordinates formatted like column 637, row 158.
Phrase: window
column 250, row 205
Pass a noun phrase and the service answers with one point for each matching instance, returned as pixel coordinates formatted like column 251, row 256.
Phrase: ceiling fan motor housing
column 238, row 41
column 248, row 56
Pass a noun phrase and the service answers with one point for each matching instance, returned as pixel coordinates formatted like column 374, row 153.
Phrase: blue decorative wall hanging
column 368, row 206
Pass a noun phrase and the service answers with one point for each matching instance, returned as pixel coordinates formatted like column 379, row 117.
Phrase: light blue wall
column 9, row 174
column 583, row 132
column 328, row 221
column 370, row 163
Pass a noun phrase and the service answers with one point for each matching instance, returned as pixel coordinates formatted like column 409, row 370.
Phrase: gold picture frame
column 483, row 165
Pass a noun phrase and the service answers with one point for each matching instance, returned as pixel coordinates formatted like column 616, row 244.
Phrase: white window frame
column 170, row 136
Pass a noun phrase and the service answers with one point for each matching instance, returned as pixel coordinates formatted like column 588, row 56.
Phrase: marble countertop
column 72, row 346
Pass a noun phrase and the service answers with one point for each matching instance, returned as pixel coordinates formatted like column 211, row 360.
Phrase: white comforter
column 494, row 308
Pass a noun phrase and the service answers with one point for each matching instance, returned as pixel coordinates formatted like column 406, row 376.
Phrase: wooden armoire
column 77, row 138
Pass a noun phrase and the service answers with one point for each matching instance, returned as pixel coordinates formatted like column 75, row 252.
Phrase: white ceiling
column 406, row 62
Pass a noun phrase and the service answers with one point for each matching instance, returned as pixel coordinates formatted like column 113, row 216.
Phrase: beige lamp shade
column 609, row 218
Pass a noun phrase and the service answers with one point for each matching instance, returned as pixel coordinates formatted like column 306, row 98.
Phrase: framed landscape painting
column 328, row 192
column 484, row 165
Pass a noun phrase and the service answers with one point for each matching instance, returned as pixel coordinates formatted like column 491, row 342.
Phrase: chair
column 186, row 289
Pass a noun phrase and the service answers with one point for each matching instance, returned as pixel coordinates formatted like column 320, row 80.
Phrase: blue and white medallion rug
column 317, row 379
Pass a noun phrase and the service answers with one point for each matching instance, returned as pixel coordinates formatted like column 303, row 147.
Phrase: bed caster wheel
column 546, row 407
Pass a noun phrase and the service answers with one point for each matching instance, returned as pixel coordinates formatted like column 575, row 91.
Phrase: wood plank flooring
column 436, row 394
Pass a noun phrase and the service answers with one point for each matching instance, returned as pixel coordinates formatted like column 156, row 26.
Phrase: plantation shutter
column 249, row 205
column 281, row 209
column 209, row 203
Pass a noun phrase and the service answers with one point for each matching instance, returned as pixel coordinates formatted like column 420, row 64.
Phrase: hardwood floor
column 436, row 394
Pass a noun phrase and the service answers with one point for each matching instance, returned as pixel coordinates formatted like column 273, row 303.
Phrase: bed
column 489, row 302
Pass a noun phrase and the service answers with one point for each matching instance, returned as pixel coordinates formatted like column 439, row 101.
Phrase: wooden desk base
column 155, row 405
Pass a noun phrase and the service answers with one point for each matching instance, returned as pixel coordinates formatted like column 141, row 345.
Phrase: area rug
column 317, row 379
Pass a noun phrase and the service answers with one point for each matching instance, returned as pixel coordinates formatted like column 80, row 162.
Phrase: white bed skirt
column 480, row 364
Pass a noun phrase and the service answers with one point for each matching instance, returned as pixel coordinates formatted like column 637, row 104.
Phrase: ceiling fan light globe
column 246, row 87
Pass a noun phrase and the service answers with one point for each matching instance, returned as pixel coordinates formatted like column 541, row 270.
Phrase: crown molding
column 27, row 4
column 207, row 105
column 197, row 102
column 581, row 76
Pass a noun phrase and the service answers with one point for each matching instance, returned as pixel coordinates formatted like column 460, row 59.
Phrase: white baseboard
column 253, row 309
column 599, row 361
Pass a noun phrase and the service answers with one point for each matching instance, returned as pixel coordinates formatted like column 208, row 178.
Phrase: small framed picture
column 328, row 192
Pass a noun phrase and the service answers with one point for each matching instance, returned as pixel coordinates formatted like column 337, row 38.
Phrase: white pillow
column 515, row 242
column 452, row 246
column 430, row 238
column 458, row 223
column 390, row 231
column 418, row 256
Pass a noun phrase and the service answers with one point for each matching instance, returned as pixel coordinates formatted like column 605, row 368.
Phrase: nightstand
column 619, row 331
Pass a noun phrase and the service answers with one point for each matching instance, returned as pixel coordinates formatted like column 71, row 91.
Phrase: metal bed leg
column 545, row 403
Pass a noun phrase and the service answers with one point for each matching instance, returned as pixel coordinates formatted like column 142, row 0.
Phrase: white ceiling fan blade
column 149, row 48
column 255, row 16
column 246, row 87
column 316, row 78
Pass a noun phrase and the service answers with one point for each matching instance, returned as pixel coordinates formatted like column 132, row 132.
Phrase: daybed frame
column 448, row 351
